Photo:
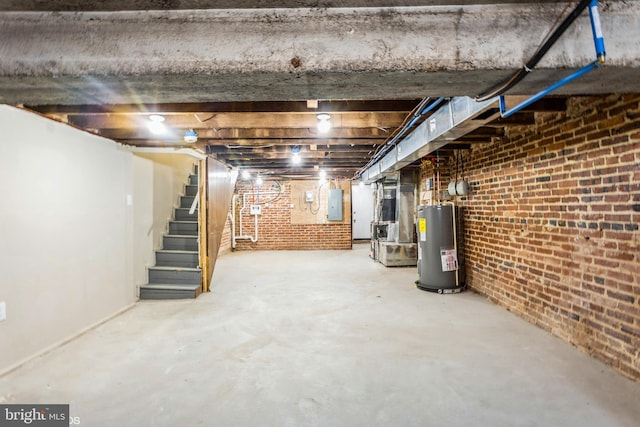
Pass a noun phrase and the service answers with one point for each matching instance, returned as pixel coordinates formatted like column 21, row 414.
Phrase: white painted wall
column 162, row 178
column 65, row 232
column 143, row 237
column 77, row 229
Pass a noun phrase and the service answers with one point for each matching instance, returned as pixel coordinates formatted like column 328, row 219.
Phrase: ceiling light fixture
column 190, row 136
column 296, row 159
column 156, row 124
column 259, row 181
column 246, row 175
column 324, row 125
column 323, row 174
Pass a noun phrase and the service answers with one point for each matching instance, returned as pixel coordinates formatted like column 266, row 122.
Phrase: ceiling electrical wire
column 414, row 113
column 277, row 196
column 409, row 121
column 203, row 120
column 537, row 56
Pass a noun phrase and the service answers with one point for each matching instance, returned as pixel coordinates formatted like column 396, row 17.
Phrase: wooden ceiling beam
column 403, row 105
column 204, row 121
column 547, row 104
column 287, row 163
column 518, row 119
column 453, row 146
column 354, row 157
column 288, row 143
column 287, row 150
column 305, row 173
column 469, row 139
column 256, row 136
column 486, row 131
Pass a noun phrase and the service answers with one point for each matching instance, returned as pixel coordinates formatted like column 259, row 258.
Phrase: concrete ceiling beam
column 295, row 54
column 116, row 5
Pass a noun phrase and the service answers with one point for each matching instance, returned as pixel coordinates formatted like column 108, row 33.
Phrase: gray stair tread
column 176, row 251
column 190, row 236
column 186, row 212
column 165, row 286
column 170, row 268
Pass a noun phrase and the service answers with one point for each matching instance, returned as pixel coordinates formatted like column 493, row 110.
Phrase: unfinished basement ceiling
column 240, row 118
column 263, row 136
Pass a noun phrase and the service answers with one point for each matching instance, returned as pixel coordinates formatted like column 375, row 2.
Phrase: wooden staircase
column 176, row 273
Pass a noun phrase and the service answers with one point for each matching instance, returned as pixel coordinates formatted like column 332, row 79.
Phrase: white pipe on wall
column 253, row 238
column 232, row 218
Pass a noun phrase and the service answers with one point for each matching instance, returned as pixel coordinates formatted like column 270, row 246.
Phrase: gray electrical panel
column 335, row 205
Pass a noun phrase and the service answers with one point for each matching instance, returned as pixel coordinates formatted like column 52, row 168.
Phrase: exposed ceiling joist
column 227, row 134
column 260, row 135
column 272, row 120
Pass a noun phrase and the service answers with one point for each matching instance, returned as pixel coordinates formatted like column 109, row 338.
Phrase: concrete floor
column 323, row 338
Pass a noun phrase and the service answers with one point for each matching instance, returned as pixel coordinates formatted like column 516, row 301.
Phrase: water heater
column 440, row 254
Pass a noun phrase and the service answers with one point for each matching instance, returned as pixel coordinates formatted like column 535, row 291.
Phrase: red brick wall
column 276, row 232
column 552, row 225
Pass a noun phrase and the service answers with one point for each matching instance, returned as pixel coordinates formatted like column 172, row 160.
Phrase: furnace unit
column 392, row 232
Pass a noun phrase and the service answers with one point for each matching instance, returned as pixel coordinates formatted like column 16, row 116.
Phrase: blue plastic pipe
column 596, row 28
column 581, row 72
column 598, row 41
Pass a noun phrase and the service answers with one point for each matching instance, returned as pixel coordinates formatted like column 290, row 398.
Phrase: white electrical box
column 255, row 210
column 308, row 196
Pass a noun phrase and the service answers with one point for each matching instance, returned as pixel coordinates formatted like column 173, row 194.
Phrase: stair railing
column 194, row 205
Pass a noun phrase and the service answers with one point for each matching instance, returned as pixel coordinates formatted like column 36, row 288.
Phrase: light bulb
column 259, row 181
column 296, row 159
column 246, row 175
column 324, row 125
column 156, row 127
column 156, row 124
